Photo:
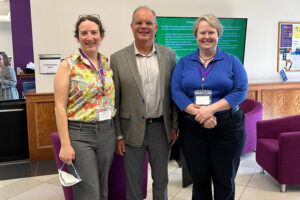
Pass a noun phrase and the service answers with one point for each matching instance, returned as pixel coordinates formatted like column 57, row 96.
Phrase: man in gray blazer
column 146, row 118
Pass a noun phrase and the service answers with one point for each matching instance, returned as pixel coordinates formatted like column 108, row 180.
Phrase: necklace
column 205, row 60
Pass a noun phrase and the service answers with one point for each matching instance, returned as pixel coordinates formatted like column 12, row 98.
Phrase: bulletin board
column 288, row 54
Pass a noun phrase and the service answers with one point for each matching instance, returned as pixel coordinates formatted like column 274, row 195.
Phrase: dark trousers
column 213, row 155
column 158, row 148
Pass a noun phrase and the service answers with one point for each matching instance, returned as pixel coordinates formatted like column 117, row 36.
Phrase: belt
column 152, row 120
column 101, row 127
column 89, row 124
column 227, row 114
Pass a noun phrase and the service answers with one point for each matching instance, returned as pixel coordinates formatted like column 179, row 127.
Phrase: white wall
column 6, row 39
column 53, row 25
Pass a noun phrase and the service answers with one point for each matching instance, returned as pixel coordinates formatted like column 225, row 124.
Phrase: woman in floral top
column 84, row 107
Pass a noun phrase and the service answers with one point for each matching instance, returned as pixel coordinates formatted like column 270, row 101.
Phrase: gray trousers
column 156, row 143
column 94, row 146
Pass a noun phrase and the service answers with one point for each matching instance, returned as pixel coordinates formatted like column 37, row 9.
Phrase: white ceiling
column 4, row 7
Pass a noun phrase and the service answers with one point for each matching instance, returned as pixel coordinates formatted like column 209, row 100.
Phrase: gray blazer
column 129, row 120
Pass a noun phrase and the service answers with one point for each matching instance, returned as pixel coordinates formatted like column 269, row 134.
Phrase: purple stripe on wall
column 21, row 35
column 21, row 32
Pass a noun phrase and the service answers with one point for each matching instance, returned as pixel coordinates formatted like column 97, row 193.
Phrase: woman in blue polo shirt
column 208, row 86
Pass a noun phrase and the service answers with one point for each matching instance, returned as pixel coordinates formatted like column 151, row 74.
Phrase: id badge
column 203, row 97
column 104, row 114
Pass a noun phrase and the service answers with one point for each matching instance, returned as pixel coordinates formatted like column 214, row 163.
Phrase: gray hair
column 140, row 7
column 211, row 20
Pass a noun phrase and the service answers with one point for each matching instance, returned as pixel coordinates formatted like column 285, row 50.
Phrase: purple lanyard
column 204, row 73
column 101, row 74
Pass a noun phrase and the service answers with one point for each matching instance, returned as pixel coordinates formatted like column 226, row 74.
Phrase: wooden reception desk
column 40, row 123
column 278, row 99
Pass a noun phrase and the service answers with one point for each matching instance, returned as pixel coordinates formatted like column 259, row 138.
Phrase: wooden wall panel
column 252, row 94
column 297, row 101
column 268, row 111
column 278, row 99
column 41, row 123
column 45, row 123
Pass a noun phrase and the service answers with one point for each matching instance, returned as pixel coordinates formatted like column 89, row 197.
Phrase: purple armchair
column 116, row 179
column 253, row 113
column 278, row 149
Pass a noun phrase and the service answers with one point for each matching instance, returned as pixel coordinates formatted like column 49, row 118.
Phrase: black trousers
column 213, row 155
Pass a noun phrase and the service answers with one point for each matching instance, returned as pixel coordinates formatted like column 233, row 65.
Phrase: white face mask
column 67, row 179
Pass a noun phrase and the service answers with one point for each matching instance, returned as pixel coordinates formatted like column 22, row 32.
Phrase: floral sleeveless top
column 86, row 96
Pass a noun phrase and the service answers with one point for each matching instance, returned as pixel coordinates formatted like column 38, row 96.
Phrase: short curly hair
column 90, row 18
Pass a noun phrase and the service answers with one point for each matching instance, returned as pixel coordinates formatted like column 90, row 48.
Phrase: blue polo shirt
column 227, row 79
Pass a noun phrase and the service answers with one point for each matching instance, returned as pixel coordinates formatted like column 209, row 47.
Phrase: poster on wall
column 288, row 55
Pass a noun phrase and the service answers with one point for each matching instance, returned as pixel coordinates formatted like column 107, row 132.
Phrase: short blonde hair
column 211, row 20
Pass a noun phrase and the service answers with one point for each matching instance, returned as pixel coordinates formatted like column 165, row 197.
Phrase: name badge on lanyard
column 203, row 97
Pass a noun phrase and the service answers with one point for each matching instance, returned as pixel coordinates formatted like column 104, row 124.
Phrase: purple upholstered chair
column 278, row 149
column 116, row 179
column 253, row 113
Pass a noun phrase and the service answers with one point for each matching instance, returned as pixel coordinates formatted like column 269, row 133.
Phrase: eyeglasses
column 89, row 15
column 140, row 23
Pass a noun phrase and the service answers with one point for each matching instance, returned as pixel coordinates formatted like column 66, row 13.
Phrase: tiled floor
column 250, row 183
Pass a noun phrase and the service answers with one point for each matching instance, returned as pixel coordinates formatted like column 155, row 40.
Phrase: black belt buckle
column 151, row 120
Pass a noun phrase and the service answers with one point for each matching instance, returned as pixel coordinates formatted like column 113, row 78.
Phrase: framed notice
column 49, row 63
column 288, row 55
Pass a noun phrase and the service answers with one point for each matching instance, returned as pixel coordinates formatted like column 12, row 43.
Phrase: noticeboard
column 288, row 54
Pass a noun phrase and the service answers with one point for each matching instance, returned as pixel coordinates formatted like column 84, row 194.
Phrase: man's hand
column 175, row 135
column 120, row 147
